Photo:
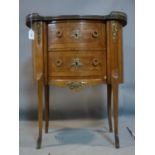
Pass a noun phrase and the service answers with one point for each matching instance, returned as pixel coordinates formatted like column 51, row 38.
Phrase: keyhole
column 76, row 35
column 76, row 63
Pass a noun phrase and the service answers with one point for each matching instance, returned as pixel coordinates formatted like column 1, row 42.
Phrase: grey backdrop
column 91, row 102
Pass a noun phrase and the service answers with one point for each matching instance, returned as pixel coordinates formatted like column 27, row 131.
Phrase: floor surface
column 77, row 137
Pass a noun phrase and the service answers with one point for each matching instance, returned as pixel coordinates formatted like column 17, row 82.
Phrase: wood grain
column 37, row 51
column 87, row 67
column 40, row 111
column 109, row 106
column 114, row 53
column 46, row 97
column 45, row 52
column 85, row 39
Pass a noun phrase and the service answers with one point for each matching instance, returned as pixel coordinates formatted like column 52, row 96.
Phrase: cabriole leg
column 40, row 112
column 115, row 103
column 46, row 108
column 109, row 108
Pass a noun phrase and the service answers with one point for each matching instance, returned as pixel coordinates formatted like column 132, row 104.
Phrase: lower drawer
column 79, row 64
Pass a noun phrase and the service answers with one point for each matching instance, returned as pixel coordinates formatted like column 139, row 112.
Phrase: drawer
column 76, row 35
column 79, row 64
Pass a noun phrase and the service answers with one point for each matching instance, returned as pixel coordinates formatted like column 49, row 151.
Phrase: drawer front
column 76, row 35
column 79, row 64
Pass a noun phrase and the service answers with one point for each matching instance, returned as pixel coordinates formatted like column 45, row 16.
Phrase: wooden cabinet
column 74, row 52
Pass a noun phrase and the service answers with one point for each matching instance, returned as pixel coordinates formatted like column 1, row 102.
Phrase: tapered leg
column 40, row 112
column 46, row 108
column 115, row 102
column 109, row 108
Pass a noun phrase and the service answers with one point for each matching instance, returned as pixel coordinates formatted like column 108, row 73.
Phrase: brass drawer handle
column 95, row 62
column 59, row 34
column 58, row 62
column 95, row 34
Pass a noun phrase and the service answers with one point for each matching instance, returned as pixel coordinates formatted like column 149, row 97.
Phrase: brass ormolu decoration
column 76, row 85
column 114, row 30
column 76, row 63
column 38, row 33
column 76, row 34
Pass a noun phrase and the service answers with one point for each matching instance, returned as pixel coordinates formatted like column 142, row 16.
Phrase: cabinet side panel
column 114, row 52
column 37, row 50
column 120, row 54
column 45, row 52
column 108, row 52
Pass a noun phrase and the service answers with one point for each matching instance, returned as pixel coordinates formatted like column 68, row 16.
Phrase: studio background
column 91, row 102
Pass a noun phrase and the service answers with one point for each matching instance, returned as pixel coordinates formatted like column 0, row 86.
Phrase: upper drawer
column 78, row 35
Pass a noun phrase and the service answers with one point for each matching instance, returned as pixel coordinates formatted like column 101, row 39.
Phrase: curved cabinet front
column 77, row 64
column 88, row 35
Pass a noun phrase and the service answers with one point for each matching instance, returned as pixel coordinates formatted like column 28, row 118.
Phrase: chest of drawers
column 75, row 52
